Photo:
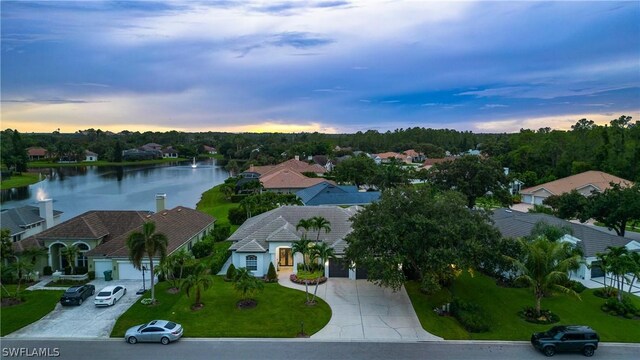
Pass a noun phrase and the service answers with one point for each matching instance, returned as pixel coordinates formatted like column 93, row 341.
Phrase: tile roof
column 16, row 219
column 329, row 194
column 516, row 224
column 288, row 179
column 251, row 246
column 280, row 225
column 598, row 179
column 36, row 151
column 292, row 164
column 433, row 161
column 179, row 224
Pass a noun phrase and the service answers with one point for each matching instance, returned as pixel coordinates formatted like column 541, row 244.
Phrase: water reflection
column 83, row 188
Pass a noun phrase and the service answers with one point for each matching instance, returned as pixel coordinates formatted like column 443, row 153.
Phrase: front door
column 284, row 257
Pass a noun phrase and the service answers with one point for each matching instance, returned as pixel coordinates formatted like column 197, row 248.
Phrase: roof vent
column 148, row 216
column 164, row 213
column 179, row 209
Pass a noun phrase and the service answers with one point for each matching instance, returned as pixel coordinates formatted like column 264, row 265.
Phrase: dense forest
column 534, row 156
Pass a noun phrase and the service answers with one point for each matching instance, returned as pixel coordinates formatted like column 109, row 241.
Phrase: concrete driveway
column 84, row 321
column 364, row 311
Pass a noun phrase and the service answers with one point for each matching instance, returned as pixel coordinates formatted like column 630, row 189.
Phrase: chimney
column 46, row 212
column 297, row 157
column 161, row 202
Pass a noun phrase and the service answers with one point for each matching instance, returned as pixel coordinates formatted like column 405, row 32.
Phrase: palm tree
column 302, row 246
column 635, row 269
column 545, row 265
column 620, row 264
column 246, row 284
column 603, row 260
column 198, row 281
column 21, row 267
column 323, row 252
column 319, row 223
column 70, row 253
column 148, row 243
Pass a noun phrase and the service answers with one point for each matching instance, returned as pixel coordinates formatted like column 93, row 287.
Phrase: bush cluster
column 471, row 316
column 625, row 308
column 202, row 249
column 294, row 278
column 546, row 316
column 574, row 285
column 47, row 271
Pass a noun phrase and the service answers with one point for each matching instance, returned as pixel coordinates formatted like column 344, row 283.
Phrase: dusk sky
column 327, row 66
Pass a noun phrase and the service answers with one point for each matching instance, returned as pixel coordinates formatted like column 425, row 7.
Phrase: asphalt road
column 302, row 349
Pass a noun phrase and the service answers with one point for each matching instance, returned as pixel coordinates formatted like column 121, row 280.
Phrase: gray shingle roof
column 17, row 219
column 592, row 240
column 329, row 194
column 251, row 246
column 280, row 225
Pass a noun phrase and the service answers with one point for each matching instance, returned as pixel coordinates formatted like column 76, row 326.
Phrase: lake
column 75, row 190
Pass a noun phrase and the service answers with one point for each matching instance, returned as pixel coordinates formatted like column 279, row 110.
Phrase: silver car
column 162, row 331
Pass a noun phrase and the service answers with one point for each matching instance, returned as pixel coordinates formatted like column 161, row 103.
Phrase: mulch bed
column 246, row 304
column 197, row 307
column 10, row 301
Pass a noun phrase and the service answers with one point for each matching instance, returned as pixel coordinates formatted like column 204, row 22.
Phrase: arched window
column 81, row 258
column 252, row 262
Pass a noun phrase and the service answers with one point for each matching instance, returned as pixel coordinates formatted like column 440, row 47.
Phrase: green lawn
column 278, row 314
column 503, row 304
column 23, row 179
column 629, row 227
column 38, row 304
column 47, row 164
column 214, row 203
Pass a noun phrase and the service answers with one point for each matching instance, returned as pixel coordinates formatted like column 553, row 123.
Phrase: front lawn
column 502, row 305
column 278, row 314
column 37, row 304
column 214, row 203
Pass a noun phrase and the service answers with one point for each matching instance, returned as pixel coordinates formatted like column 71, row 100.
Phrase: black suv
column 566, row 338
column 77, row 294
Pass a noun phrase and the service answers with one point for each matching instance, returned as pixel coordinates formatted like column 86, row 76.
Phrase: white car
column 109, row 295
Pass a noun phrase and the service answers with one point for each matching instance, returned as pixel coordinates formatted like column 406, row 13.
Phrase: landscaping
column 278, row 313
column 214, row 203
column 36, row 305
column 502, row 306
column 23, row 179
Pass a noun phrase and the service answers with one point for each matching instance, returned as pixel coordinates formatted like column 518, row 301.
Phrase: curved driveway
column 364, row 311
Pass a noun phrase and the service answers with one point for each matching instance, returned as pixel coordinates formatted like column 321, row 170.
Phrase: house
column 28, row 220
column 268, row 237
column 588, row 238
column 415, row 155
column 37, row 153
column 169, row 153
column 428, row 163
column 137, row 154
column 101, row 237
column 292, row 164
column 584, row 183
column 387, row 156
column 151, row 146
column 323, row 161
column 209, row 149
column 330, row 194
column 90, row 156
column 288, row 181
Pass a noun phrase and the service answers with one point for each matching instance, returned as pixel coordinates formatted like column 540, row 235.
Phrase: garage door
column 338, row 268
column 126, row 271
column 596, row 270
column 361, row 273
column 101, row 267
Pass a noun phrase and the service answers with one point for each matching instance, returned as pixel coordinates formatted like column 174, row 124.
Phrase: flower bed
column 546, row 316
column 320, row 280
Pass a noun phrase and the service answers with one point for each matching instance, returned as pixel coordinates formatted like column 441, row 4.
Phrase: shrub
column 294, row 278
column 237, row 216
column 81, row 270
column 220, row 233
column 272, row 276
column 605, row 293
column 220, row 256
column 92, row 275
column 236, row 198
column 47, row 271
column 146, row 301
column 574, row 285
column 546, row 316
column 231, row 273
column 67, row 271
column 625, row 308
column 202, row 249
column 471, row 316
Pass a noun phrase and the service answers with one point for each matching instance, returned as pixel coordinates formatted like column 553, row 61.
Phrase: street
column 186, row 349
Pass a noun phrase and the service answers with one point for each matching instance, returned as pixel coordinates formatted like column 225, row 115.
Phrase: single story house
column 90, row 156
column 101, row 238
column 387, row 156
column 288, row 181
column 28, row 220
column 584, row 183
column 169, row 153
column 209, row 149
column 590, row 239
column 292, row 164
column 329, row 194
column 268, row 237
column 37, row 153
column 428, row 163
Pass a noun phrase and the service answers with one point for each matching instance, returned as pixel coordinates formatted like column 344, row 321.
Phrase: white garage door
column 101, row 267
column 126, row 271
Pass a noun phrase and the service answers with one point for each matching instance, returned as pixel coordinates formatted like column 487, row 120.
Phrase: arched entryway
column 56, row 260
column 82, row 262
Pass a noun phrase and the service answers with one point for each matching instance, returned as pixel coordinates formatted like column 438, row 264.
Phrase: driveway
column 84, row 321
column 364, row 311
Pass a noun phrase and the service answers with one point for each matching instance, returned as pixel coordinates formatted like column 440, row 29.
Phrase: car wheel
column 93, row 292
column 132, row 340
column 588, row 351
column 165, row 340
column 79, row 301
column 549, row 351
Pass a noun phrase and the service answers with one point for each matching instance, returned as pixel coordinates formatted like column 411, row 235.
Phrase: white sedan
column 109, row 295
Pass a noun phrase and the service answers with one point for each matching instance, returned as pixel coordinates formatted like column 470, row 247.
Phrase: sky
column 333, row 66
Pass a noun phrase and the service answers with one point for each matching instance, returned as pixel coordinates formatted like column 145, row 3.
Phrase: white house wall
column 240, row 260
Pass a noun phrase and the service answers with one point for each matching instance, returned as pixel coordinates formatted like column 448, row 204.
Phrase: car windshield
column 170, row 325
column 104, row 293
column 553, row 331
column 70, row 292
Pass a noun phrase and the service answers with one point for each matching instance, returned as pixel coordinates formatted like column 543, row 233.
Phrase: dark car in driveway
column 75, row 295
column 566, row 338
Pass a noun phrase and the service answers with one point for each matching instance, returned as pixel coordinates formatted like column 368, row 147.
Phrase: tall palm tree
column 544, row 267
column 603, row 261
column 198, row 281
column 70, row 253
column 319, row 223
column 148, row 243
column 620, row 264
column 323, row 252
column 635, row 268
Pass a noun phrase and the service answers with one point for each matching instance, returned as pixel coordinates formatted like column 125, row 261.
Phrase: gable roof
column 598, row 179
column 179, row 224
column 516, row 224
column 288, row 179
column 279, row 225
column 292, row 164
column 330, row 194
column 36, row 151
column 17, row 219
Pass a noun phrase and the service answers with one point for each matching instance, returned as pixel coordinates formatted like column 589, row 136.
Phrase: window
column 252, row 262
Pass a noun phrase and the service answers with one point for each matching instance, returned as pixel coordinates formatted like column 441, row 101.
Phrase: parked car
column 576, row 338
column 75, row 295
column 109, row 295
column 162, row 331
